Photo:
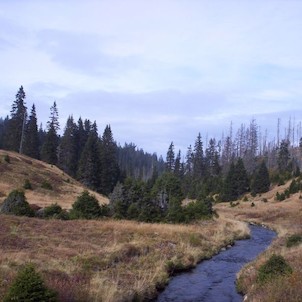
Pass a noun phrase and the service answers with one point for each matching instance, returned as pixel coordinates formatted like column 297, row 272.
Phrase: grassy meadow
column 285, row 218
column 108, row 260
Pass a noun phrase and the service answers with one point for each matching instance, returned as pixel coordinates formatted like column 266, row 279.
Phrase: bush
column 16, row 204
column 29, row 286
column 275, row 266
column 86, row 207
column 55, row 211
column 7, row 158
column 27, row 185
column 293, row 240
column 46, row 185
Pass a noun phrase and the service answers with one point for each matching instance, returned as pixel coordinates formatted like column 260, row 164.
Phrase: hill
column 285, row 217
column 49, row 183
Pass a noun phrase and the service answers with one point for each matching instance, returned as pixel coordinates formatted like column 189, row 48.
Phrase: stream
column 213, row 280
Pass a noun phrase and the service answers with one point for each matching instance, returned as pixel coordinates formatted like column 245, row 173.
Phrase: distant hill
column 49, row 183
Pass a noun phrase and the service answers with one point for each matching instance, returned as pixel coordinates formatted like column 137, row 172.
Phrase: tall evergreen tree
column 16, row 125
column 67, row 155
column 198, row 159
column 89, row 165
column 283, row 156
column 109, row 162
column 51, row 142
column 31, row 144
column 170, row 159
column 261, row 180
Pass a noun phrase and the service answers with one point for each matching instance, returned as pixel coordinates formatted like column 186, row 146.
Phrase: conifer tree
column 17, row 122
column 31, row 140
column 261, row 181
column 67, row 155
column 198, row 159
column 170, row 159
column 109, row 162
column 89, row 165
column 283, row 156
column 51, row 142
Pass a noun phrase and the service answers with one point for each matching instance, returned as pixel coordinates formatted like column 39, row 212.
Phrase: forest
column 142, row 186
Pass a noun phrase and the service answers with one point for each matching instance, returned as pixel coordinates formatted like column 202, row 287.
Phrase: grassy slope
column 286, row 218
column 96, row 260
column 13, row 174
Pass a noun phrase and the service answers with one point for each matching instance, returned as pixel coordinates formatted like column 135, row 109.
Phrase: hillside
column 285, row 217
column 64, row 189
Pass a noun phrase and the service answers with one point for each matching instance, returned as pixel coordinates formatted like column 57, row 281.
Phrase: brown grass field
column 286, row 219
column 13, row 175
column 103, row 260
column 108, row 260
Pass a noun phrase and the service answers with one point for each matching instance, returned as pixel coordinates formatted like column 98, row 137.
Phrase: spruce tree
column 241, row 177
column 170, row 159
column 89, row 165
column 14, row 139
column 31, row 140
column 67, row 155
column 51, row 142
column 261, row 181
column 109, row 162
column 198, row 159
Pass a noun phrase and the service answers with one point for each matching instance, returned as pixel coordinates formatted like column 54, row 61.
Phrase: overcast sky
column 156, row 71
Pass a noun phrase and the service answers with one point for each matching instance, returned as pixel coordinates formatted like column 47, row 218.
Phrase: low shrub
column 16, row 204
column 29, row 286
column 52, row 211
column 7, row 158
column 275, row 266
column 46, row 185
column 294, row 240
column 86, row 207
column 27, row 185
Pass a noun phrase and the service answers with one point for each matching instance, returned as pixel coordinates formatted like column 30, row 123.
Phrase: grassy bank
column 286, row 218
column 107, row 260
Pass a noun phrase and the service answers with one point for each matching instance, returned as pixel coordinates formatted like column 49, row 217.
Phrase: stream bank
column 214, row 279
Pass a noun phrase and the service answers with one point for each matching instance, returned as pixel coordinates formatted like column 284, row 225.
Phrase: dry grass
column 13, row 175
column 286, row 218
column 107, row 260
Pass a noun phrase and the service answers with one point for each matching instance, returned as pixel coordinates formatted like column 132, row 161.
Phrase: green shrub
column 29, row 287
column 16, row 204
column 86, row 207
column 275, row 266
column 252, row 204
column 52, row 211
column 27, row 185
column 264, row 200
column 7, row 158
column 293, row 240
column 46, row 185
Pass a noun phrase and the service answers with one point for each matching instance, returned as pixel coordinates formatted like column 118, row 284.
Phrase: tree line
column 141, row 185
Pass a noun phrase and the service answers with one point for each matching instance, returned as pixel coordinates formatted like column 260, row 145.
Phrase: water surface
column 213, row 280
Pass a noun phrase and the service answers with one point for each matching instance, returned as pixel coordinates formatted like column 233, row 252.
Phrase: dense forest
column 144, row 186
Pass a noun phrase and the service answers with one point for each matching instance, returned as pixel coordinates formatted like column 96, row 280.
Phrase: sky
column 156, row 71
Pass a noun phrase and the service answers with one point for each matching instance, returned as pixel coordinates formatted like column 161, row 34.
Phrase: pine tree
column 241, row 177
column 198, row 159
column 170, row 159
column 283, row 156
column 14, row 139
column 51, row 142
column 89, row 165
column 261, row 181
column 67, row 155
column 109, row 162
column 31, row 140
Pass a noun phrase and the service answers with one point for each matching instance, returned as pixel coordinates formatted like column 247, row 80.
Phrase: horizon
column 156, row 72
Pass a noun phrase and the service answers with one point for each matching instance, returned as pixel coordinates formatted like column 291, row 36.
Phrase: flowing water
column 213, row 280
